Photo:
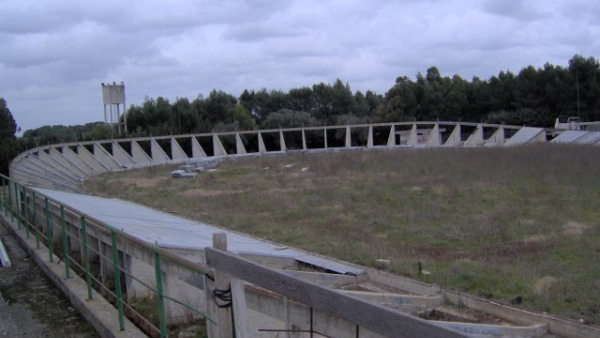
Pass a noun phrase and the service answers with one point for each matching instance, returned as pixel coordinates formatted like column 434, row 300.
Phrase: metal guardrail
column 51, row 223
column 69, row 236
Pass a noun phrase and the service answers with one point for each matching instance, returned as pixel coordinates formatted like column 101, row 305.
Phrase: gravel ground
column 30, row 305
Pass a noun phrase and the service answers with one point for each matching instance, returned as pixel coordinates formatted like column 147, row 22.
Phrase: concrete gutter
column 98, row 311
column 484, row 330
column 559, row 326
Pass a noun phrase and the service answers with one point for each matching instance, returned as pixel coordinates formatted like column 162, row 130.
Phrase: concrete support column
column 392, row 137
column 370, row 138
column 282, row 146
column 261, row 144
column 412, row 138
column 348, row 137
column 239, row 145
column 303, row 140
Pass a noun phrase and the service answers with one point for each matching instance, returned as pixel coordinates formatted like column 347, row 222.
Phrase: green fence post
column 27, row 215
column 10, row 202
column 3, row 195
column 48, row 227
column 18, row 205
column 159, row 296
column 86, row 261
column 2, row 208
column 117, row 272
column 63, row 225
column 35, row 225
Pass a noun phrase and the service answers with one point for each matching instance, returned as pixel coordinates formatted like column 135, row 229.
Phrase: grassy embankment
column 518, row 225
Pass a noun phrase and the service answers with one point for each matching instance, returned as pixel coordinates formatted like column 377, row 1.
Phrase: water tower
column 113, row 96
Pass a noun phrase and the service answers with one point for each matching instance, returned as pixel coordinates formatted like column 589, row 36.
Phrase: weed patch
column 492, row 222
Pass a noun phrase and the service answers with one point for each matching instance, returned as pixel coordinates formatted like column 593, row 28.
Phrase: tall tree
column 586, row 73
column 8, row 127
column 8, row 143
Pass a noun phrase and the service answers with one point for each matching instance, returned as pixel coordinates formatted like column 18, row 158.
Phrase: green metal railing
column 35, row 212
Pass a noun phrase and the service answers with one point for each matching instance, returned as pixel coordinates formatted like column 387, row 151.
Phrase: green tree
column 286, row 118
column 242, row 118
column 8, row 127
column 342, row 100
column 301, row 99
column 219, row 107
column 9, row 147
column 400, row 102
column 361, row 106
column 256, row 103
column 586, row 76
column 323, row 108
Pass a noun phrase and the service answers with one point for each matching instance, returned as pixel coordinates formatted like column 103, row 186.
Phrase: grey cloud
column 53, row 55
column 522, row 10
column 255, row 32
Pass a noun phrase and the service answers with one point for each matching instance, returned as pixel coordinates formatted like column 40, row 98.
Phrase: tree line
column 533, row 97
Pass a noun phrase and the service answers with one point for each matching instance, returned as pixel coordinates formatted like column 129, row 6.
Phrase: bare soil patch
column 574, row 228
column 142, row 181
column 195, row 193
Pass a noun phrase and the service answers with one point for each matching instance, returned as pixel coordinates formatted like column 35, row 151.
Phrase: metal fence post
column 35, row 225
column 2, row 207
column 3, row 195
column 117, row 272
column 48, row 227
column 159, row 296
column 10, row 201
column 18, row 206
column 65, row 244
column 86, row 261
column 27, row 216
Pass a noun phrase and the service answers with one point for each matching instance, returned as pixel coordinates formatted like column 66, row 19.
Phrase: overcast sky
column 55, row 54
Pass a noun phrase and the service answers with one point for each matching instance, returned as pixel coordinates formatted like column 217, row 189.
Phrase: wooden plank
column 374, row 317
column 240, row 312
column 222, row 283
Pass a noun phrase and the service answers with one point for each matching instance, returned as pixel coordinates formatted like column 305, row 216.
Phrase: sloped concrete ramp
column 569, row 136
column 169, row 231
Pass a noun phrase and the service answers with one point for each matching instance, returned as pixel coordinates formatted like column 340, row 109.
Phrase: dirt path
column 30, row 305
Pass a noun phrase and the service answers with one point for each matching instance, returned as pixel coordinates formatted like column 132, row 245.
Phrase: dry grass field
column 516, row 225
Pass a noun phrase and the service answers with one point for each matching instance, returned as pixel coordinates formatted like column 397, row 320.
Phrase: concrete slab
column 527, row 135
column 169, row 231
column 568, row 136
column 592, row 137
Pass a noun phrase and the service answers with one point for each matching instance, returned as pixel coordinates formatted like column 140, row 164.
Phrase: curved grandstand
column 140, row 236
column 65, row 166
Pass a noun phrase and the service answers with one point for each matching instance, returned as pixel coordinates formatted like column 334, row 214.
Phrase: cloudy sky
column 55, row 54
